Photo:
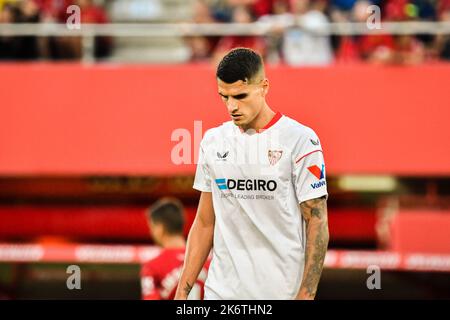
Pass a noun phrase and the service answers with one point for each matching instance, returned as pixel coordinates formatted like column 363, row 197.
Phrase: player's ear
column 265, row 86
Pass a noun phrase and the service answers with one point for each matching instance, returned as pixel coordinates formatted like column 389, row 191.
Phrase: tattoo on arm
column 315, row 213
column 315, row 260
column 313, row 208
column 187, row 288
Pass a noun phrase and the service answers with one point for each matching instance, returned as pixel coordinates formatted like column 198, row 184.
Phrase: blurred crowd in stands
column 52, row 48
column 285, row 43
column 291, row 45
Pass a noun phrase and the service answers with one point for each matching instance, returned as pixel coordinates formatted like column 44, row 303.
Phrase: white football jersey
column 257, row 180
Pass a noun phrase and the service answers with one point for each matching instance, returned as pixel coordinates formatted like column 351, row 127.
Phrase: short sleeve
column 309, row 174
column 202, row 181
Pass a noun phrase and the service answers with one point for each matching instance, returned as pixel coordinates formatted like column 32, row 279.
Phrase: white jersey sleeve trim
column 201, row 187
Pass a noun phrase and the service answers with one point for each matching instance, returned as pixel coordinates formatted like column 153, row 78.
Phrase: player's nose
column 232, row 106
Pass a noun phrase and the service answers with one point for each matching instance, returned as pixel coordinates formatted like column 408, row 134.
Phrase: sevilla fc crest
column 274, row 156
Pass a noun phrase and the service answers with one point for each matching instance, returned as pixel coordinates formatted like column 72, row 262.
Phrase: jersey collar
column 274, row 120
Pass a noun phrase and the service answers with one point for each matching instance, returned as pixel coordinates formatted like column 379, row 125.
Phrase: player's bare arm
column 199, row 245
column 315, row 214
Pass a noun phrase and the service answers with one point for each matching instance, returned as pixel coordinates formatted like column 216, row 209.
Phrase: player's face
column 243, row 100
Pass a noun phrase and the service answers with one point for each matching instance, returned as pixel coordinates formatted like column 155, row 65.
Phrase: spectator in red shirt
column 160, row 275
column 93, row 14
column 241, row 14
column 259, row 7
column 54, row 10
column 375, row 49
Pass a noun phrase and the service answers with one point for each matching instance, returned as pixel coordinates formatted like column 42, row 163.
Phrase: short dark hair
column 239, row 64
column 170, row 213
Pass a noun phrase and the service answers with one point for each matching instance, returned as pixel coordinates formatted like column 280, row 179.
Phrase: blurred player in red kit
column 160, row 275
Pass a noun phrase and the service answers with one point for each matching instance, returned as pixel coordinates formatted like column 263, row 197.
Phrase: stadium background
column 86, row 140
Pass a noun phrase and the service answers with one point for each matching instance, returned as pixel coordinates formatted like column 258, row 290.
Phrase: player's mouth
column 236, row 116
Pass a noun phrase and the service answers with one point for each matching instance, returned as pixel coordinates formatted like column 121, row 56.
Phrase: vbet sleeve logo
column 319, row 174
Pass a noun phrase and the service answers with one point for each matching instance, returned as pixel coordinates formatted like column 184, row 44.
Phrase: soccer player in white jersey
column 262, row 208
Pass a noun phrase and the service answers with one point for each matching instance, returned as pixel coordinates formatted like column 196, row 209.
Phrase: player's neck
column 173, row 242
column 262, row 120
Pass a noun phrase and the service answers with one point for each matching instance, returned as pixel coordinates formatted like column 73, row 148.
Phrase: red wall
column 421, row 231
column 94, row 223
column 74, row 119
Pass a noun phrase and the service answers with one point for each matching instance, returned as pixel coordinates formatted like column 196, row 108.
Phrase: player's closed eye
column 240, row 96
column 237, row 97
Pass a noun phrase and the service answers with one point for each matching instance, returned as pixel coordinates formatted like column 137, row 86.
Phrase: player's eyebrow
column 237, row 96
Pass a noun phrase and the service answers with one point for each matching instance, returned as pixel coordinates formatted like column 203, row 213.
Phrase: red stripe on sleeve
column 306, row 155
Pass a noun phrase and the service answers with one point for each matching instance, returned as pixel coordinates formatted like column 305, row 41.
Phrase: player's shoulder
column 162, row 257
column 295, row 132
column 151, row 256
